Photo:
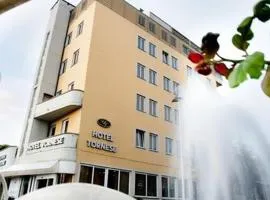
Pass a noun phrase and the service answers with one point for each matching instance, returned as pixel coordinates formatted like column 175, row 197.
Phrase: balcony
column 59, row 106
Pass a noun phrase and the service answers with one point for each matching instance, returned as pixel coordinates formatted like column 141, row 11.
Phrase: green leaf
column 239, row 42
column 262, row 10
column 244, row 27
column 266, row 82
column 236, row 77
column 249, row 35
column 253, row 65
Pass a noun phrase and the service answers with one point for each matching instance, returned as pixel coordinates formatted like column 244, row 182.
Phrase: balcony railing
column 59, row 106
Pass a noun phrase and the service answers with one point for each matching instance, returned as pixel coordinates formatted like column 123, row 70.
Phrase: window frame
column 140, row 144
column 140, row 69
column 153, row 107
column 152, row 76
column 166, row 84
column 152, row 49
column 146, row 184
column 63, row 66
column 80, row 28
column 71, row 86
column 141, row 43
column 167, row 113
column 165, row 57
column 152, row 27
column 75, row 57
column 68, row 39
column 174, row 63
column 168, row 146
column 151, row 144
column 141, row 20
column 140, row 99
column 65, row 125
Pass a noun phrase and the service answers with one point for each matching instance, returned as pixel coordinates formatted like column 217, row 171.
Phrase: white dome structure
column 73, row 191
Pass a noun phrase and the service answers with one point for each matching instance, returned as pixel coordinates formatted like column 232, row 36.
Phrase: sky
column 23, row 28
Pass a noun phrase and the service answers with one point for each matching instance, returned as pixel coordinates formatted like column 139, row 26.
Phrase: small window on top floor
column 141, row 20
column 165, row 57
column 152, row 27
column 186, row 50
column 80, row 29
column 173, row 41
column 164, row 35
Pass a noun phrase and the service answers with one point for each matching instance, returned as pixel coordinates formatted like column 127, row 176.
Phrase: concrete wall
column 47, row 74
column 7, row 157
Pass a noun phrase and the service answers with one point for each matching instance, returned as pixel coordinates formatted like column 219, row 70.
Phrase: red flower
column 203, row 68
column 222, row 69
column 195, row 57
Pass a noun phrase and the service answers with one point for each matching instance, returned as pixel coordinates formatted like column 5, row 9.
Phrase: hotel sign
column 46, row 143
column 106, row 137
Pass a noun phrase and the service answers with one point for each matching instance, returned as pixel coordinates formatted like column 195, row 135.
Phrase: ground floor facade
column 139, row 184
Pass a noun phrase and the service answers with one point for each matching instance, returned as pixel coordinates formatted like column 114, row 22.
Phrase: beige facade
column 128, row 67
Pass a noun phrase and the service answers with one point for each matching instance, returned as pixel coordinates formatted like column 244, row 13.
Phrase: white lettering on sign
column 102, row 136
column 101, row 146
column 46, row 144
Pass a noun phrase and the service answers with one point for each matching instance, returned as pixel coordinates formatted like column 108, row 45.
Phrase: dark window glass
column 99, row 176
column 151, row 185
column 164, row 183
column 152, row 27
column 113, row 179
column 124, row 182
column 50, row 182
column 141, row 20
column 25, row 185
column 86, row 174
column 173, row 41
column 164, row 35
column 172, row 187
column 42, row 183
column 140, row 185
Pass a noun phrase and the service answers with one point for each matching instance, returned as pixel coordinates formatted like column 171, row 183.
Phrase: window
column 139, row 138
column 152, row 27
column 68, row 39
column 174, row 63
column 168, row 185
column 165, row 57
column 176, row 88
column 176, row 116
column 141, row 20
column 166, row 83
column 141, row 43
column 145, row 185
column 63, row 67
column 152, row 49
column 64, row 126
column 186, row 50
column 80, row 29
column 167, row 112
column 86, row 174
column 118, row 180
column 71, row 86
column 164, row 35
column 152, row 77
column 140, row 71
column 52, row 129
column 75, row 57
column 152, row 107
column 153, row 142
column 189, row 71
column 140, row 103
column 59, row 92
column 173, row 41
column 168, row 146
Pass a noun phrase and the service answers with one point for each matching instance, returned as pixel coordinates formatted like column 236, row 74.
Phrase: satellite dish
column 73, row 191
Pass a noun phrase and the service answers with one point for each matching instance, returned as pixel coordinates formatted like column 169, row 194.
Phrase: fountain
column 226, row 154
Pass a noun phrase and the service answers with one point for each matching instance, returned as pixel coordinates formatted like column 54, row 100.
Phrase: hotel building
column 101, row 110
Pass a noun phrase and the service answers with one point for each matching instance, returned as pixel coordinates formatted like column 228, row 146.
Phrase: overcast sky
column 22, row 31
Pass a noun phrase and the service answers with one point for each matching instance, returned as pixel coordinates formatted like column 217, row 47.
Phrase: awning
column 31, row 169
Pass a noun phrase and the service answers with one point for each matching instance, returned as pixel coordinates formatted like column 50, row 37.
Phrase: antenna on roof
column 141, row 10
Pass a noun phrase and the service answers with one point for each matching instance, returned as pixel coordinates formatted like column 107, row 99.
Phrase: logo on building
column 104, row 123
column 3, row 160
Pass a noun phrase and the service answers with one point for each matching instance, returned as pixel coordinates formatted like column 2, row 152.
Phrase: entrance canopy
column 50, row 167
